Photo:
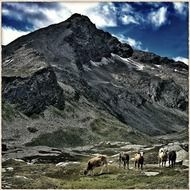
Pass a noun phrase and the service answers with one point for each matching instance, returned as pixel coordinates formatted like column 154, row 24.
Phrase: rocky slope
column 110, row 90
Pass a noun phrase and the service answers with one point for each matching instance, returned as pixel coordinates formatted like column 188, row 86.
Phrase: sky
column 159, row 27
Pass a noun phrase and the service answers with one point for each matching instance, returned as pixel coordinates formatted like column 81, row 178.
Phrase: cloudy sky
column 158, row 27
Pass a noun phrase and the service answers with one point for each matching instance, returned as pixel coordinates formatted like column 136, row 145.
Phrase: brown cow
column 97, row 161
column 139, row 159
column 162, row 157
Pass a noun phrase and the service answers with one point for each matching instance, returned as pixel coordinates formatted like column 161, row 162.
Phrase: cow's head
column 85, row 172
column 141, row 153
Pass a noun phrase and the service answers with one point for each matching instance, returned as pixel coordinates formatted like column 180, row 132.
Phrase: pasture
column 70, row 176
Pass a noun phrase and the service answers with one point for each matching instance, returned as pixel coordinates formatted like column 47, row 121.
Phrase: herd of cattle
column 101, row 160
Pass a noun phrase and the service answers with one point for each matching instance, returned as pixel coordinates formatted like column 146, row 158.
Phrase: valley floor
column 20, row 175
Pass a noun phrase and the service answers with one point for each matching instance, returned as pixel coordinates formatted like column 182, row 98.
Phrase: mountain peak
column 78, row 18
column 77, row 39
column 77, row 15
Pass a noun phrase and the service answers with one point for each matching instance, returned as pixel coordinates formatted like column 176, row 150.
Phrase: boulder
column 186, row 163
column 182, row 155
column 151, row 173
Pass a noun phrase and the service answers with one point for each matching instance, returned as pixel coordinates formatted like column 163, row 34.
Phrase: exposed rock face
column 86, row 40
column 143, row 90
column 40, row 154
column 152, row 58
column 33, row 94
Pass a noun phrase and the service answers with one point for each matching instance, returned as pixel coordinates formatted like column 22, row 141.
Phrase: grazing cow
column 139, row 159
column 162, row 157
column 124, row 157
column 96, row 162
column 172, row 158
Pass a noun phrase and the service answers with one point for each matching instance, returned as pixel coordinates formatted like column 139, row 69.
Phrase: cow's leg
column 107, row 168
column 138, row 164
column 105, row 165
column 135, row 163
column 142, row 162
column 119, row 162
column 91, row 173
column 124, row 164
column 158, row 162
column 128, row 164
column 102, row 169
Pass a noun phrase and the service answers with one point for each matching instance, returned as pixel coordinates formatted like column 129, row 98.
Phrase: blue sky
column 159, row 27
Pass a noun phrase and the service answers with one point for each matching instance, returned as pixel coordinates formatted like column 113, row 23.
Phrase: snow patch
column 129, row 62
column 18, row 160
column 7, row 62
column 86, row 68
column 103, row 61
column 10, row 168
column 175, row 70
column 21, row 177
column 116, row 85
column 115, row 76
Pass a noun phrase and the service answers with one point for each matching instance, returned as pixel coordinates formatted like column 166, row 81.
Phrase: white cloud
column 128, row 15
column 16, row 15
column 52, row 16
column 102, row 22
column 9, row 34
column 81, row 7
column 132, row 42
column 126, row 8
column 180, row 7
column 154, row 4
column 5, row 12
column 127, row 19
column 183, row 59
column 159, row 17
column 103, row 15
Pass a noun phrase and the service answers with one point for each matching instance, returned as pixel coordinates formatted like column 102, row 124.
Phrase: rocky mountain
column 71, row 84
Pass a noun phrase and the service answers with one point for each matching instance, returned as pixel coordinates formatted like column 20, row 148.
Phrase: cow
column 139, row 159
column 172, row 158
column 97, row 161
column 124, row 157
column 162, row 157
